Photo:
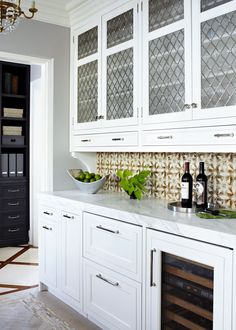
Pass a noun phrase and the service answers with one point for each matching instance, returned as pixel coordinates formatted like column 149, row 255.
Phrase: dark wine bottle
column 201, row 187
column 186, row 187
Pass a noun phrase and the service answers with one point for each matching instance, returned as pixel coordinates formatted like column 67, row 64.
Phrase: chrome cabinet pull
column 164, row 137
column 106, row 280
column 100, row 117
column 194, row 105
column 187, row 106
column 48, row 213
column 47, row 228
column 109, row 230
column 13, row 204
column 13, row 230
column 13, row 191
column 224, row 135
column 68, row 216
column 118, row 139
column 86, row 140
column 151, row 268
column 13, row 218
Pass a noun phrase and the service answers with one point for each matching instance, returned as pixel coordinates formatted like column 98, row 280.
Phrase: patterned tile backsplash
column 167, row 169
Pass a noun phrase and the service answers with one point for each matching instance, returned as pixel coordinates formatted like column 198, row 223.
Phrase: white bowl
column 87, row 187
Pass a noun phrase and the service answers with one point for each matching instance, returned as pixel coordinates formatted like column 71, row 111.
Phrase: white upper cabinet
column 119, row 66
column 214, row 58
column 105, row 53
column 86, row 73
column 166, row 61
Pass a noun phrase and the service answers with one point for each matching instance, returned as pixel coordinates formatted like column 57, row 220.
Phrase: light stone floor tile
column 19, row 275
column 7, row 252
column 30, row 256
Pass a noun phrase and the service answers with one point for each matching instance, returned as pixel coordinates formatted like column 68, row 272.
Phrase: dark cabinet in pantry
column 14, row 153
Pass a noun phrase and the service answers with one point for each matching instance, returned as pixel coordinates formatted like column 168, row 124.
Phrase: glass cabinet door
column 119, row 71
column 167, row 60
column 189, row 284
column 214, row 31
column 87, row 52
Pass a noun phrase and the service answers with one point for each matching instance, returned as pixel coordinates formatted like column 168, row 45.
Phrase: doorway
column 41, row 131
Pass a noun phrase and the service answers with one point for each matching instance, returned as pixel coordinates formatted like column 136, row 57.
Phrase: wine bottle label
column 200, row 193
column 184, row 190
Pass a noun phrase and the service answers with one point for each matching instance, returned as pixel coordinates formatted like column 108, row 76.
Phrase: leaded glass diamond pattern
column 88, row 43
column 209, row 4
column 87, row 92
column 166, row 74
column 120, row 85
column 120, row 29
column 164, row 12
column 219, row 61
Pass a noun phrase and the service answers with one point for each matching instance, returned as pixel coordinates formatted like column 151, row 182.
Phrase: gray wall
column 34, row 38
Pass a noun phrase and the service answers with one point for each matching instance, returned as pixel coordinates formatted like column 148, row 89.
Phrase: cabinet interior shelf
column 13, row 119
column 14, row 96
column 4, row 146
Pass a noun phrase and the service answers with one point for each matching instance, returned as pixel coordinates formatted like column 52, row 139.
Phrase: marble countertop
column 149, row 213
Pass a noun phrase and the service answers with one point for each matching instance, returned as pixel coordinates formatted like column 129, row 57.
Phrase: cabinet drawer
column 14, row 232
column 47, row 212
column 111, row 299
column 15, row 218
column 13, row 204
column 113, row 244
column 13, row 191
column 107, row 140
column 13, row 140
column 225, row 135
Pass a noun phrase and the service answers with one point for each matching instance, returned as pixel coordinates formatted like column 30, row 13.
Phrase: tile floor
column 18, row 269
column 22, row 305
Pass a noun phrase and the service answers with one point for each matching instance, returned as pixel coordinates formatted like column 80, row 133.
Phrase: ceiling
column 53, row 11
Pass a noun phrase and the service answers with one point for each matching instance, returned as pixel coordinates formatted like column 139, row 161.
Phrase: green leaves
column 133, row 184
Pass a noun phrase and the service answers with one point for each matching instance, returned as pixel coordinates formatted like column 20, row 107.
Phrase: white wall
column 34, row 38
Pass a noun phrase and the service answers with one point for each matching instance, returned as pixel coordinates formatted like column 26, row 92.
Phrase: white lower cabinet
column 189, row 284
column 48, row 242
column 71, row 256
column 111, row 299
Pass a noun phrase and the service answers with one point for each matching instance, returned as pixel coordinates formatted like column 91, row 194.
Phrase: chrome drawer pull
column 86, row 140
column 106, row 280
column 13, row 191
column 224, row 135
column 100, row 117
column 47, row 228
column 106, row 229
column 68, row 217
column 13, row 230
column 118, row 139
column 13, row 218
column 48, row 213
column 151, row 269
column 164, row 137
column 13, row 204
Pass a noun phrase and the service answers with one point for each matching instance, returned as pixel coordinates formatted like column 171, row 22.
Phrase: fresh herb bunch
column 133, row 184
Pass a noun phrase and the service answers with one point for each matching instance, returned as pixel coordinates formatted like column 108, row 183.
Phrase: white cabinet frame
column 197, row 19
column 219, row 258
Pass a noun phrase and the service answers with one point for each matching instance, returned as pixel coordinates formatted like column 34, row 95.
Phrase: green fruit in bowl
column 97, row 177
column 92, row 180
column 86, row 180
column 81, row 176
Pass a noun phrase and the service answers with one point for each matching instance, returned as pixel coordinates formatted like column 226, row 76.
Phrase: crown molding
column 53, row 12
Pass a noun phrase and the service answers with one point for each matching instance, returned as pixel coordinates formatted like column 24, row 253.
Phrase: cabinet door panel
column 48, row 252
column 209, row 4
column 88, row 43
column 71, row 254
column 112, row 299
column 87, row 92
column 189, row 283
column 162, row 13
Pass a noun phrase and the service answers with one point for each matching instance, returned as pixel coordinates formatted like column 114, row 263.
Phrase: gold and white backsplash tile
column 167, row 169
